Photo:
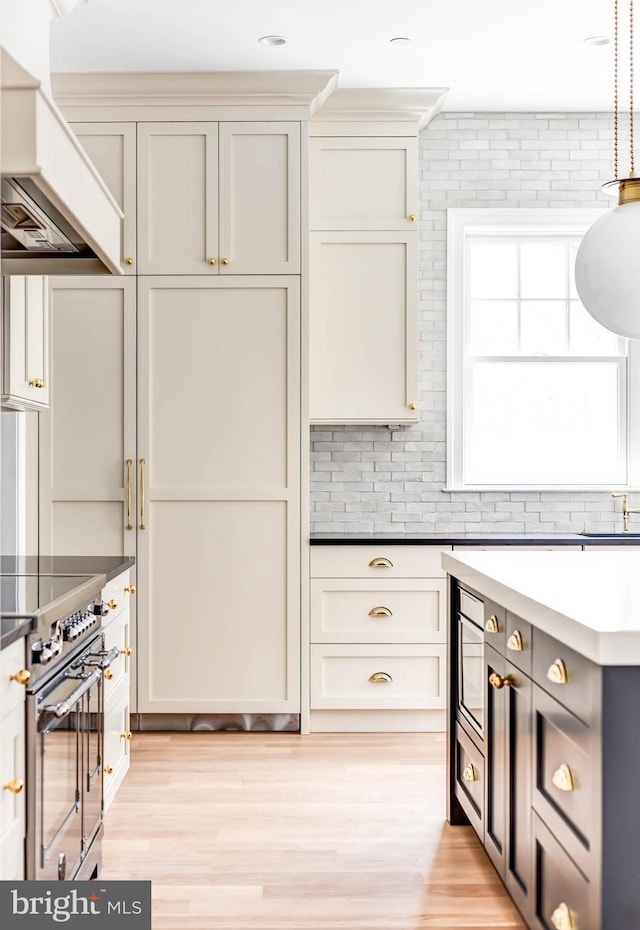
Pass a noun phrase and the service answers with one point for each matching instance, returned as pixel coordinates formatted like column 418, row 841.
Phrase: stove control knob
column 100, row 609
column 41, row 653
column 55, row 646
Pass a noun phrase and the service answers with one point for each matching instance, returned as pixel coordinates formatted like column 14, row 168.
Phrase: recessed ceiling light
column 399, row 40
column 272, row 40
column 597, row 40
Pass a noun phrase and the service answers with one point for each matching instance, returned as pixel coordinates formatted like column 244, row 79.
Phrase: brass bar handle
column 379, row 677
column 562, row 919
column 492, row 625
column 563, row 778
column 143, row 525
column 15, row 786
column 557, row 673
column 469, row 773
column 515, row 642
column 497, row 681
column 128, row 494
column 380, row 612
column 36, row 383
column 21, row 677
column 380, row 563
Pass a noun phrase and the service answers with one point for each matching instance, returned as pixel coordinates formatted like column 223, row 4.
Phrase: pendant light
column 608, row 261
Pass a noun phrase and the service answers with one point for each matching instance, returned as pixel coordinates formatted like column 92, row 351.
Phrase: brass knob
column 412, row 217
column 380, row 677
column 15, row 786
column 469, row 773
column 126, row 735
column 563, row 778
column 126, row 651
column 557, row 673
column 130, row 589
column 515, row 642
column 108, row 770
column 225, row 261
column 412, row 406
column 129, row 260
column 21, row 677
column 497, row 681
column 492, row 625
column 111, row 604
column 211, row 261
column 108, row 674
column 380, row 612
column 562, row 919
column 380, row 563
column 36, row 383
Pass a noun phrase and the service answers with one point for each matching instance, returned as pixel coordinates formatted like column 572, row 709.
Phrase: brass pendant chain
column 632, row 159
column 615, row 89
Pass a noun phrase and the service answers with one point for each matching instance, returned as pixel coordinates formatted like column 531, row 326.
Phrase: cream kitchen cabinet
column 219, row 198
column 378, row 649
column 118, row 595
column 12, row 763
column 112, row 149
column 25, row 311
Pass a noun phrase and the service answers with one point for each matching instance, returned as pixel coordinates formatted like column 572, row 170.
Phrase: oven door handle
column 103, row 659
column 63, row 709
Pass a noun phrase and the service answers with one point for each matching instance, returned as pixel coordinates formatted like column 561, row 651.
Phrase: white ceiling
column 492, row 54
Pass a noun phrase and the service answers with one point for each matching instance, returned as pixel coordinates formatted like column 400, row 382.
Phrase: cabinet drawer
column 560, row 886
column 372, row 611
column 518, row 642
column 116, row 743
column 378, row 677
column 12, row 766
column 377, row 561
column 11, row 661
column 495, row 625
column 564, row 793
column 115, row 595
column 118, row 634
column 570, row 678
column 470, row 782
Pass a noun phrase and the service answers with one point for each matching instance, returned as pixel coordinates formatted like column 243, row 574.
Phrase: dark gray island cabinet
column 543, row 738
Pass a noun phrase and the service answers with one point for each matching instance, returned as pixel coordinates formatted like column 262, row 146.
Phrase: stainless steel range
column 65, row 662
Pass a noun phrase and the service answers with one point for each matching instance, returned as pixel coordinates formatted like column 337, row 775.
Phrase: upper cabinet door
column 366, row 183
column 26, row 342
column 112, row 149
column 178, row 198
column 259, row 191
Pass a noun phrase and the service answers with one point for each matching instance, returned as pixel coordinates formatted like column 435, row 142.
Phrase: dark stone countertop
column 13, row 628
column 109, row 565
column 474, row 539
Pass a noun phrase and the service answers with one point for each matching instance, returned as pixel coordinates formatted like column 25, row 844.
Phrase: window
column 538, row 391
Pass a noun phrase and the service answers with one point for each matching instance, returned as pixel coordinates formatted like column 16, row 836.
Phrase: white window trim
column 459, row 224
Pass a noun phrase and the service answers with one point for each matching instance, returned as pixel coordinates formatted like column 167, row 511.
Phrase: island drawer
column 518, row 642
column 378, row 677
column 570, row 678
column 116, row 595
column 564, row 793
column 470, row 779
column 564, row 897
column 369, row 610
column 377, row 561
column 12, row 693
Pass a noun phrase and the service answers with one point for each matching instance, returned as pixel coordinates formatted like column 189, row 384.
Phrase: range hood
column 56, row 214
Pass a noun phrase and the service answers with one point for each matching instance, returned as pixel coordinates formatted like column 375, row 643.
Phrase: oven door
column 63, row 763
column 471, row 672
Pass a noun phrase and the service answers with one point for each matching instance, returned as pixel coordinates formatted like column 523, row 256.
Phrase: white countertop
column 588, row 600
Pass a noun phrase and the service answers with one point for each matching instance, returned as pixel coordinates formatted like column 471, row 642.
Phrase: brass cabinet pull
column 15, row 786
column 130, row 589
column 108, row 674
column 497, row 681
column 21, row 677
column 111, row 605
column 126, row 735
column 380, row 612
column 380, row 563
column 143, row 525
column 224, row 261
column 108, row 770
column 36, row 383
column 515, row 642
column 563, row 778
column 211, row 261
column 469, row 773
column 562, row 919
column 128, row 494
column 557, row 673
column 378, row 677
column 126, row 651
column 492, row 625
column 412, row 217
column 129, row 260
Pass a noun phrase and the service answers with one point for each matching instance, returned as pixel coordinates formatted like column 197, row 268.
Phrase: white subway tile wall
column 371, row 479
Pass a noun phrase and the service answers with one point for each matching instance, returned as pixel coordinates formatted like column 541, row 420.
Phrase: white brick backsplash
column 366, row 479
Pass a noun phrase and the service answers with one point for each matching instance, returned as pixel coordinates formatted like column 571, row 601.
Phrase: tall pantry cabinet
column 187, row 372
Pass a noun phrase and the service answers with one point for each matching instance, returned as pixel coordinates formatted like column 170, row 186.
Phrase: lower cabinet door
column 117, row 740
column 518, row 866
column 469, row 777
column 496, row 757
column 12, row 802
column 564, row 897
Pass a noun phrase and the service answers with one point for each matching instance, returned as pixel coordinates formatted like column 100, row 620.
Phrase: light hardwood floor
column 274, row 831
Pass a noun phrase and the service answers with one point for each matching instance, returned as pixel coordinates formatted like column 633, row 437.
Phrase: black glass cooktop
column 25, row 595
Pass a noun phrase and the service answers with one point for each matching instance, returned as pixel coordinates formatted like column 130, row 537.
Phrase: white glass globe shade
column 608, row 270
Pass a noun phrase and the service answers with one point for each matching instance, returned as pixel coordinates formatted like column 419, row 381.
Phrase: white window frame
column 463, row 224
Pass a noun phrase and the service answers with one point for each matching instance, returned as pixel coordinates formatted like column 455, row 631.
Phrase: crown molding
column 415, row 105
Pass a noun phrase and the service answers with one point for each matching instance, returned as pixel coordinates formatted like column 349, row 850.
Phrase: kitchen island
column 543, row 753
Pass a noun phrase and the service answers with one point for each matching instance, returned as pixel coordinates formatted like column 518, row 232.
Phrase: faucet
column 626, row 510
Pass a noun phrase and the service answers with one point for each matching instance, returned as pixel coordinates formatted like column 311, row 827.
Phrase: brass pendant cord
column 616, row 97
column 631, row 146
column 615, row 90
